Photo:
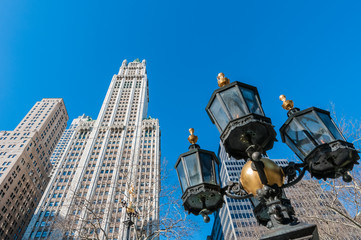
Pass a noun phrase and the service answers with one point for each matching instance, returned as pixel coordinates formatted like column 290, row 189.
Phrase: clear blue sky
column 308, row 50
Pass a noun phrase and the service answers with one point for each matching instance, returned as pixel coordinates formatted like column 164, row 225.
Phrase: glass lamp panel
column 313, row 125
column 207, row 168
column 219, row 114
column 331, row 126
column 182, row 177
column 251, row 100
column 216, row 167
column 193, row 169
column 294, row 148
column 300, row 139
column 234, row 103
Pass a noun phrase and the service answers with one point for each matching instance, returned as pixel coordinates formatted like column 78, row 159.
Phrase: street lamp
column 247, row 133
column 237, row 112
column 315, row 139
column 198, row 174
column 131, row 212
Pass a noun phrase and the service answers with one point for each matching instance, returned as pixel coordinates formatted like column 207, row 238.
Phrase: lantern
column 198, row 175
column 314, row 137
column 237, row 112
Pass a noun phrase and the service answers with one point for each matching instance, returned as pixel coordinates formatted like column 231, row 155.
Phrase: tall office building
column 64, row 141
column 25, row 165
column 313, row 204
column 235, row 220
column 104, row 160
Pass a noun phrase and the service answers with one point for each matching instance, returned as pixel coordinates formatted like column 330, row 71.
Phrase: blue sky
column 308, row 50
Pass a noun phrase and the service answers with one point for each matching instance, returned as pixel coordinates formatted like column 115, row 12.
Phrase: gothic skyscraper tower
column 102, row 162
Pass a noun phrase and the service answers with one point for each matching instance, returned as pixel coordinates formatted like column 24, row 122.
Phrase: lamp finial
column 287, row 104
column 222, row 80
column 131, row 190
column 192, row 138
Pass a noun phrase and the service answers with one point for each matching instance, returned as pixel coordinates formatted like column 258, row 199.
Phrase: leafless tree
column 339, row 216
column 92, row 225
column 173, row 222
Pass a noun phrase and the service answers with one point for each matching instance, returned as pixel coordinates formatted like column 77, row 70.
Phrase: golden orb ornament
column 222, row 80
column 287, row 104
column 192, row 138
column 250, row 179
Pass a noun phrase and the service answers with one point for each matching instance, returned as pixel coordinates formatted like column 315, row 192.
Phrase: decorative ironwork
column 250, row 130
column 291, row 171
column 247, row 133
column 235, row 190
column 203, row 193
column 280, row 211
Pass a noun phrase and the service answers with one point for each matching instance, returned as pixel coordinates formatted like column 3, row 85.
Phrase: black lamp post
column 131, row 213
column 247, row 133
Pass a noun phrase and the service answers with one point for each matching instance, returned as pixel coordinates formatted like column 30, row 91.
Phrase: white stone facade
column 64, row 141
column 103, row 160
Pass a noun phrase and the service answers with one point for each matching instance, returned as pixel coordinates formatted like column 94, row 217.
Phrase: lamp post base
column 300, row 231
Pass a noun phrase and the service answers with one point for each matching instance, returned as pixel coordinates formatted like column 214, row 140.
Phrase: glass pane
column 251, row 100
column 234, row 103
column 219, row 114
column 299, row 138
column 194, row 172
column 331, row 126
column 318, row 131
column 216, row 167
column 182, row 177
column 207, row 168
column 294, row 148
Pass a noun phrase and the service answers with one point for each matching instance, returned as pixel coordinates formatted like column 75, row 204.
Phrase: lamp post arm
column 291, row 173
column 235, row 190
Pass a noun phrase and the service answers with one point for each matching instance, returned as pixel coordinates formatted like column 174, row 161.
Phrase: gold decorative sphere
column 222, row 80
column 192, row 138
column 287, row 104
column 250, row 179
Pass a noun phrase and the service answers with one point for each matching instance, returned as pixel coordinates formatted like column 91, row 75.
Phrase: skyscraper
column 314, row 204
column 25, row 165
column 104, row 159
column 235, row 220
column 63, row 142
